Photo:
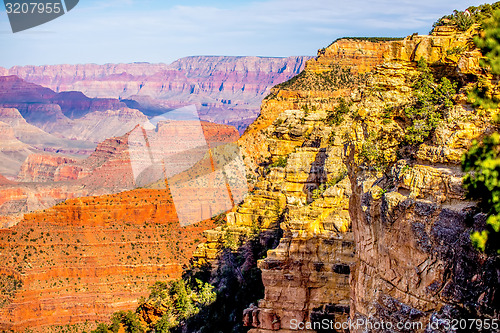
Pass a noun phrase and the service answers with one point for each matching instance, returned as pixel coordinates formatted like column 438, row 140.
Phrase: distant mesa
column 157, row 88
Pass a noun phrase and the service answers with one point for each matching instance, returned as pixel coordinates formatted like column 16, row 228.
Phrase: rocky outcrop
column 45, row 168
column 401, row 237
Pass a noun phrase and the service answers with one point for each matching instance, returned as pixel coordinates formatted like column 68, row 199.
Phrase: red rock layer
column 88, row 257
column 43, row 168
column 17, row 93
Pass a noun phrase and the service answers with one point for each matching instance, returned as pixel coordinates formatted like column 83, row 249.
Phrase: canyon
column 88, row 257
column 226, row 90
column 95, row 242
column 375, row 227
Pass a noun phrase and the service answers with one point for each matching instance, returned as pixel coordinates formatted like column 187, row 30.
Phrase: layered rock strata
column 414, row 263
column 87, row 258
column 226, row 90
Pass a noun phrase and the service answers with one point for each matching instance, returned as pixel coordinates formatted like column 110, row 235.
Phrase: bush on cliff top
column 337, row 77
column 464, row 20
column 482, row 161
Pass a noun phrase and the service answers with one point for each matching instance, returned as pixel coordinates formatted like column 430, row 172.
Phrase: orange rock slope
column 88, row 257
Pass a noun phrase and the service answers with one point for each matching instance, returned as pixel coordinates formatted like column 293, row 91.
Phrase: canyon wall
column 226, row 90
column 375, row 228
column 89, row 257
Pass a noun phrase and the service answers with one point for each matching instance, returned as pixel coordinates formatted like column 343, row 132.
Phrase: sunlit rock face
column 375, row 247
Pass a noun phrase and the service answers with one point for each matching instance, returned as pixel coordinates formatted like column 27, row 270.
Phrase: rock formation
column 70, row 115
column 378, row 247
column 88, row 257
column 226, row 90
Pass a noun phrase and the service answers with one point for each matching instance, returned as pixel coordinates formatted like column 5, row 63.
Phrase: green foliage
column 488, row 41
column 387, row 115
column 238, row 282
column 456, row 50
column 337, row 179
column 318, row 192
column 336, row 117
column 220, row 219
column 431, row 101
column 482, row 183
column 372, row 154
column 9, row 284
column 176, row 301
column 308, row 109
column 369, row 39
column 331, row 80
column 128, row 320
column 482, row 161
column 464, row 20
column 179, row 300
column 331, row 138
column 280, row 162
column 101, row 328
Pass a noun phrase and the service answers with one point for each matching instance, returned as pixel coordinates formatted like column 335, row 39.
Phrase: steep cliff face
column 415, row 263
column 401, row 237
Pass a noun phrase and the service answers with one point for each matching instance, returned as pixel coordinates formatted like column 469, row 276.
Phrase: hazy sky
column 112, row 31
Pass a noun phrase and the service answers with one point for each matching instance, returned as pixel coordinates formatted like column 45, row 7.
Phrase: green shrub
column 336, row 117
column 430, row 102
column 128, row 320
column 331, row 80
column 372, row 154
column 482, row 161
column 280, row 162
column 463, row 21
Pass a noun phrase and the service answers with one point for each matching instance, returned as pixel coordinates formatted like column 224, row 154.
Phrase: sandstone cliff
column 375, row 227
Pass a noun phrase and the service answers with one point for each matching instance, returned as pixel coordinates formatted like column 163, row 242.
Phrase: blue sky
column 113, row 31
